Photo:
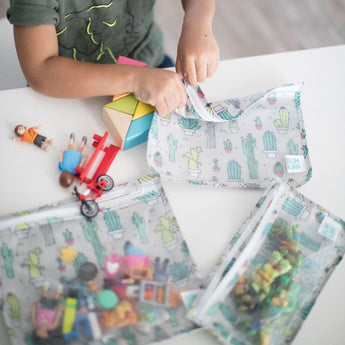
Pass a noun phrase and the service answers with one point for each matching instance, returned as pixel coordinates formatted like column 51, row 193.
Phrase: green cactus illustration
column 90, row 229
column 185, row 249
column 292, row 147
column 298, row 99
column 234, row 170
column 193, row 155
column 210, row 133
column 258, row 123
column 305, row 151
column 22, row 229
column 272, row 97
column 292, row 207
column 179, row 271
column 154, row 127
column 172, row 147
column 309, row 175
column 270, row 141
column 14, row 309
column 139, row 222
column 157, row 157
column 283, row 121
column 113, row 223
column 165, row 228
column 233, row 125
column 187, row 123
column 33, row 263
column 7, row 255
column 173, row 319
column 248, row 145
column 227, row 145
column 68, row 236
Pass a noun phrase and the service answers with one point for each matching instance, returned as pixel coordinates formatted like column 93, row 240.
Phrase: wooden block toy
column 127, row 119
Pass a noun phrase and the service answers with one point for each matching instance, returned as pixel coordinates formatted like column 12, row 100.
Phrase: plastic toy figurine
column 70, row 159
column 47, row 312
column 99, row 181
column 32, row 136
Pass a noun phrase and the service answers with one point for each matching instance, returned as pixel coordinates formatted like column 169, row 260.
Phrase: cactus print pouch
column 239, row 142
column 269, row 277
column 113, row 279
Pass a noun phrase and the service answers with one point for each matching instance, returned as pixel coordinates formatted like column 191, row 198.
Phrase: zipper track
column 71, row 209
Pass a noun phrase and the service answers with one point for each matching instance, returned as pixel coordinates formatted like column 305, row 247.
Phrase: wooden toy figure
column 32, row 136
column 47, row 312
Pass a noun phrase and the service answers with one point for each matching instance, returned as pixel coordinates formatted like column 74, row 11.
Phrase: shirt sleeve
column 33, row 12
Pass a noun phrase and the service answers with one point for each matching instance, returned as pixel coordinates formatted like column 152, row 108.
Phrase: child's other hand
column 197, row 52
column 161, row 88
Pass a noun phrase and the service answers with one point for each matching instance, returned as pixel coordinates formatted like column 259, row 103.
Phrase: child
column 68, row 48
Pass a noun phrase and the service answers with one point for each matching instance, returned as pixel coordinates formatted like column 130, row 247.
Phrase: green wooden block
column 126, row 104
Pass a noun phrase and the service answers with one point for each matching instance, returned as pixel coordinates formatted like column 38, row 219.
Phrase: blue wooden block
column 138, row 131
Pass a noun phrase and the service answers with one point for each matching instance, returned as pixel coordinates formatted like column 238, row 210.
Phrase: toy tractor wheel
column 109, row 182
column 89, row 208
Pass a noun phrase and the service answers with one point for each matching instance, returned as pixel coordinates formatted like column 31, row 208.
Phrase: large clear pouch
column 269, row 277
column 116, row 278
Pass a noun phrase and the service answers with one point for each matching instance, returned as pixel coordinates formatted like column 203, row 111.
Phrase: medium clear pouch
column 237, row 142
column 112, row 279
column 269, row 277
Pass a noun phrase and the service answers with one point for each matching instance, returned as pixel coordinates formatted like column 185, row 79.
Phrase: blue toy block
column 138, row 131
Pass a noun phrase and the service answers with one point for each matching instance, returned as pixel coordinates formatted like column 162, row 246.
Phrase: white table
column 207, row 217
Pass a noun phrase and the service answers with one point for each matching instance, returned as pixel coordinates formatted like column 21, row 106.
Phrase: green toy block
column 126, row 104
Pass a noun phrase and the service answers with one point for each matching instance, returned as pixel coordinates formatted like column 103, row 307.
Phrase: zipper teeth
column 222, row 287
column 199, row 106
column 72, row 209
column 219, row 272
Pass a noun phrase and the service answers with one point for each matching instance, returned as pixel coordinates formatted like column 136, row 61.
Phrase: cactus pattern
column 113, row 223
column 292, row 207
column 298, row 99
column 305, row 151
column 193, row 156
column 164, row 227
column 210, row 133
column 293, row 149
column 234, row 170
column 248, row 145
column 68, row 236
column 48, row 234
column 270, row 141
column 90, row 229
column 227, row 145
column 233, row 125
column 33, row 263
column 128, row 336
column 283, row 121
column 154, row 127
column 14, row 310
column 185, row 249
column 179, row 271
column 172, row 147
column 7, row 255
column 173, row 319
column 187, row 123
column 139, row 222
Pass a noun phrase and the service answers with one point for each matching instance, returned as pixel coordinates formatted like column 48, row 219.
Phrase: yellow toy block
column 142, row 110
column 69, row 316
column 117, row 124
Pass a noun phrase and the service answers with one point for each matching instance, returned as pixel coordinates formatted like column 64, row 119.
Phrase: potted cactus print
column 278, row 169
column 258, row 123
column 68, row 236
column 189, row 126
column 227, row 145
column 158, row 159
column 164, row 121
column 233, row 125
column 270, row 144
column 272, row 98
column 282, row 123
column 193, row 161
column 113, row 223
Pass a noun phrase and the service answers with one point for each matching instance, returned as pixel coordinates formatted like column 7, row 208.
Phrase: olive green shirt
column 96, row 31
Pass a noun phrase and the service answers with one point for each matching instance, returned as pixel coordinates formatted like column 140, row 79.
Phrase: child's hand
column 197, row 52
column 161, row 88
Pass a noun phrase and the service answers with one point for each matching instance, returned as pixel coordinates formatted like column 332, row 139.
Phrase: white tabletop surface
column 208, row 217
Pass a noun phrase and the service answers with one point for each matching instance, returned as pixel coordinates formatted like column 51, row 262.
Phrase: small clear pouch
column 236, row 142
column 115, row 278
column 269, row 277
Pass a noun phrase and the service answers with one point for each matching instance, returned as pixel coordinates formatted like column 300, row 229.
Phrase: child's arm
column 57, row 76
column 198, row 52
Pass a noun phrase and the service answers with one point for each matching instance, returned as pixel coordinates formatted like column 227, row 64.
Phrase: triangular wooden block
column 120, row 95
column 117, row 124
column 125, row 104
column 142, row 110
